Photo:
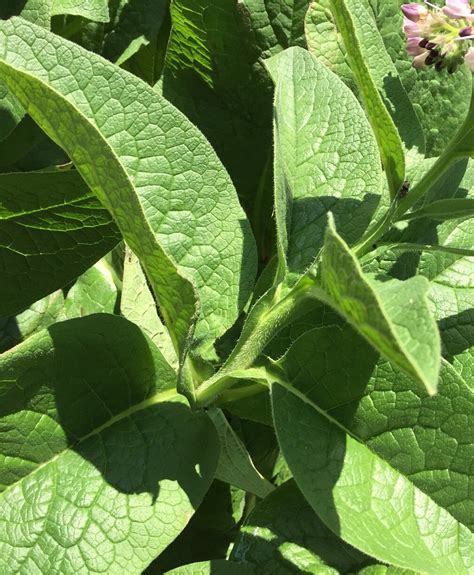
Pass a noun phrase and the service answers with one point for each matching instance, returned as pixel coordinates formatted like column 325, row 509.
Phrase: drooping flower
column 439, row 37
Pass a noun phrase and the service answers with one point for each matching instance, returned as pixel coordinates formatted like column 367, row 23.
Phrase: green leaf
column 284, row 536
column 36, row 11
column 326, row 158
column 52, row 229
column 385, row 570
column 38, row 316
column 276, row 24
column 170, row 196
column 98, row 468
column 325, row 41
column 93, row 292
column 132, row 26
column 380, row 89
column 213, row 77
column 11, row 112
column 137, row 305
column 441, row 101
column 235, row 465
column 95, row 10
column 361, row 498
column 428, row 439
column 444, row 210
column 393, row 316
column 216, row 567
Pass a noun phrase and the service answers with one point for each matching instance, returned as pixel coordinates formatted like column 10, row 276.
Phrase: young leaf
column 52, row 229
column 284, row 536
column 170, row 196
column 380, row 88
column 276, row 24
column 93, row 292
column 428, row 439
column 95, row 10
column 137, row 305
column 101, row 467
column 235, row 465
column 361, row 498
column 326, row 158
column 216, row 567
column 393, row 316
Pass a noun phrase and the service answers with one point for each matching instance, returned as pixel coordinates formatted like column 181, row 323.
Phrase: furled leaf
column 95, row 10
column 440, row 100
column 379, row 87
column 284, row 536
column 216, row 567
column 52, row 229
column 235, row 466
column 132, row 26
column 137, row 305
column 392, row 315
column 362, row 498
column 326, row 158
column 100, row 471
column 276, row 24
column 169, row 194
column 93, row 292
column 428, row 439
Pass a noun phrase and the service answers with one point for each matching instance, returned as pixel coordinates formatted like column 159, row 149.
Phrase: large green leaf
column 428, row 439
column 52, row 229
column 96, row 10
column 100, row 470
column 392, row 315
column 216, row 567
column 284, row 536
column 137, row 305
column 379, row 87
column 276, row 24
column 362, row 498
column 157, row 175
column 326, row 158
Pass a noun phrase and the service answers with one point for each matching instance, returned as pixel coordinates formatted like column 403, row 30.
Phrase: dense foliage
column 237, row 287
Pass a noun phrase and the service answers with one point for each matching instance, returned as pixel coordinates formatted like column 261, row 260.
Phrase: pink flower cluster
column 440, row 36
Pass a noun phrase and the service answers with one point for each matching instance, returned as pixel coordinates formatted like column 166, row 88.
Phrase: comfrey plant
column 237, row 279
column 442, row 37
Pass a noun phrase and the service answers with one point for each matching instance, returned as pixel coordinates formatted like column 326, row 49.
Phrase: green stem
column 461, row 146
column 266, row 319
column 241, row 393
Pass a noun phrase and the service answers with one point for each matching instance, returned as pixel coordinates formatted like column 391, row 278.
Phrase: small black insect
column 404, row 190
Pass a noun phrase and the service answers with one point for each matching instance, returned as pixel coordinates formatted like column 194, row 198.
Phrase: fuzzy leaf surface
column 169, row 194
column 101, row 467
column 362, row 498
column 52, row 229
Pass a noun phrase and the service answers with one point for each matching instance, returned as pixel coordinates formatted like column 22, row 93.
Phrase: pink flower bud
column 413, row 46
column 469, row 58
column 458, row 9
column 411, row 29
column 413, row 11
